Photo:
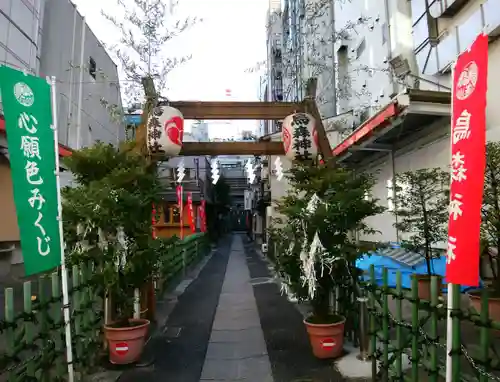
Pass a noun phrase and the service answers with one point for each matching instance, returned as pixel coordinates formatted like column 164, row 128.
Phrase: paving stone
column 237, row 315
column 235, row 335
column 237, row 350
column 244, row 322
column 255, row 347
column 251, row 369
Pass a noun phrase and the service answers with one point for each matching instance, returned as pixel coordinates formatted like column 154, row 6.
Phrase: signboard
column 328, row 343
column 133, row 119
column 28, row 118
column 468, row 161
column 121, row 348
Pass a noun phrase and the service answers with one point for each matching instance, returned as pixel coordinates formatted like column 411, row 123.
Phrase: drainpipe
column 393, row 170
column 80, row 88
column 70, row 96
column 334, row 71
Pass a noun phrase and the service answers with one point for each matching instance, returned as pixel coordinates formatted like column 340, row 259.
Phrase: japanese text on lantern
column 31, row 152
column 460, row 134
column 302, row 137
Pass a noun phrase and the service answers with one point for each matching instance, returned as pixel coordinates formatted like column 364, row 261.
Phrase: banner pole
column 449, row 302
column 64, row 271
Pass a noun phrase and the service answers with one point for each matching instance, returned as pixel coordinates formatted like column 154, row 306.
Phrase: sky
column 230, row 39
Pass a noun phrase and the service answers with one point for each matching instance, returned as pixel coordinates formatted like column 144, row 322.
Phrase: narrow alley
column 232, row 324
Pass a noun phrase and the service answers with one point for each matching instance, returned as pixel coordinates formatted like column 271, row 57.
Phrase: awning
column 63, row 150
column 407, row 115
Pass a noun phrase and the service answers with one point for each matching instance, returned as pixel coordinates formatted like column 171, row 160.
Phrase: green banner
column 27, row 108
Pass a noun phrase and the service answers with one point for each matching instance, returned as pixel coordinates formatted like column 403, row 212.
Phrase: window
column 171, row 214
column 361, row 48
column 92, row 68
column 176, row 214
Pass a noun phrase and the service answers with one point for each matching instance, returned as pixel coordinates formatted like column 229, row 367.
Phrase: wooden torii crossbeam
column 229, row 110
column 243, row 111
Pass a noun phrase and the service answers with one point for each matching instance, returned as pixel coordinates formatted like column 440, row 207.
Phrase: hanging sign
column 468, row 161
column 27, row 110
column 191, row 216
column 300, row 137
column 165, row 130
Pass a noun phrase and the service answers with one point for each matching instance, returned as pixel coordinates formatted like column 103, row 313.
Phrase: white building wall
column 432, row 150
column 429, row 152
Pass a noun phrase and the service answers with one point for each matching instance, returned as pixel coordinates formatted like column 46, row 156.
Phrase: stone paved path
column 232, row 324
column 237, row 350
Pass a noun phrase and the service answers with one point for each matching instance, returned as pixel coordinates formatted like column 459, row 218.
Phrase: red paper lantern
column 165, row 130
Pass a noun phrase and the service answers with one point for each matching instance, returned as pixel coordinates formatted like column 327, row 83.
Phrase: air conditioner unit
column 400, row 66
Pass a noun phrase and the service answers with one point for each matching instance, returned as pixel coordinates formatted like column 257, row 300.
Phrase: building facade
column 87, row 77
column 200, row 132
column 410, row 125
column 21, row 33
column 44, row 38
column 274, row 81
column 391, row 102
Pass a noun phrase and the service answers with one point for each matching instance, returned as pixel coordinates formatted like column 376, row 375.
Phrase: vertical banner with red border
column 468, row 160
column 191, row 216
column 178, row 192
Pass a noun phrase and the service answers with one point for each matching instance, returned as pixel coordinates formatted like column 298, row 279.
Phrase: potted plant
column 108, row 221
column 322, row 210
column 420, row 202
column 490, row 232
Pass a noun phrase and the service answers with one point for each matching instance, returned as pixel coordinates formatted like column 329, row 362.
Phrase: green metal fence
column 32, row 340
column 408, row 335
column 178, row 256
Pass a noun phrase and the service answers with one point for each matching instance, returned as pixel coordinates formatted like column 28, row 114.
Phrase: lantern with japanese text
column 300, row 137
column 165, row 131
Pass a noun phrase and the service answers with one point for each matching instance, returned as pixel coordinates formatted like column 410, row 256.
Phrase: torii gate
column 235, row 111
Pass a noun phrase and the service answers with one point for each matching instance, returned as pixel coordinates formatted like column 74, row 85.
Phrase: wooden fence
column 32, row 340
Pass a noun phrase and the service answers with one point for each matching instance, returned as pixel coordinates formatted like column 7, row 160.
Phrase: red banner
column 191, row 216
column 178, row 191
column 468, row 160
